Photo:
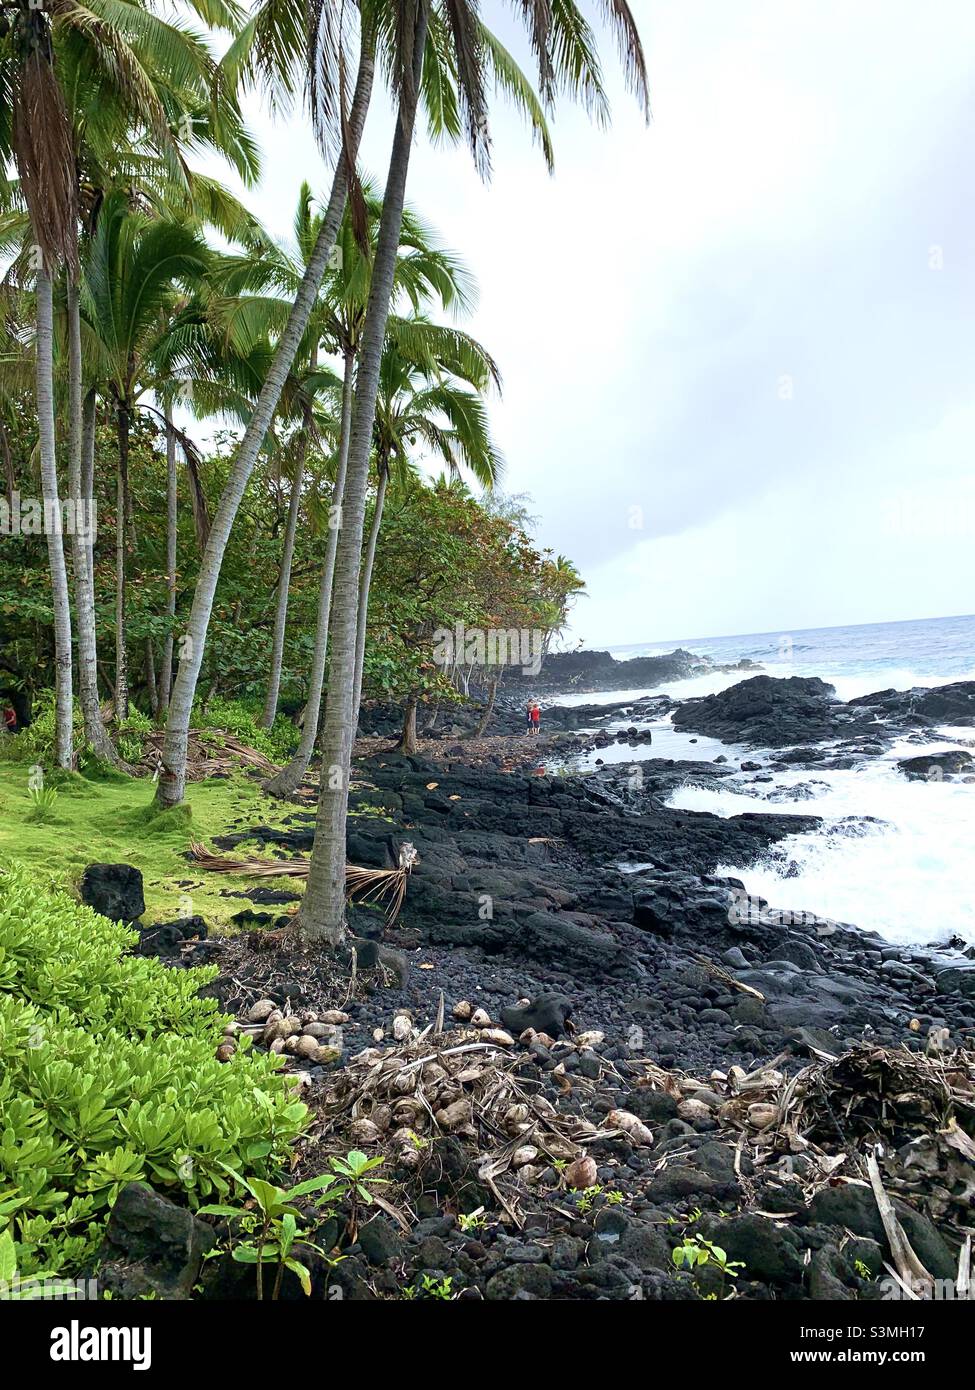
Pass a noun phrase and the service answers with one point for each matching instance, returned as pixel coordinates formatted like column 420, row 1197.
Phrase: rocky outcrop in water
column 584, row 670
column 775, row 712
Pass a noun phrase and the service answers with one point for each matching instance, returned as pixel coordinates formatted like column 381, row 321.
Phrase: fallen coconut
column 364, row 1132
column 261, row 1011
column 525, row 1153
column 691, row 1110
column 581, row 1173
column 631, row 1125
column 455, row 1116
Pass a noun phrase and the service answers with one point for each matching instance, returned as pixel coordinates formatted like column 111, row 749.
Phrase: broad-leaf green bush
column 238, row 717
column 108, row 1074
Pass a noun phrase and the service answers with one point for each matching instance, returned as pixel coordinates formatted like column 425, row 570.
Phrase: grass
column 113, row 820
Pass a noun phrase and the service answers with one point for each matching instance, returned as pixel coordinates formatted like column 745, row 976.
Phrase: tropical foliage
column 108, row 1075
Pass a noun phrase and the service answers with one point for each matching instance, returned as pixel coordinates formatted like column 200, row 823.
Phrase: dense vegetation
column 108, row 1075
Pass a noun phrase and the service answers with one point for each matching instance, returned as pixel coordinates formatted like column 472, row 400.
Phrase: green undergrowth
column 108, row 1075
column 220, row 720
column 102, row 816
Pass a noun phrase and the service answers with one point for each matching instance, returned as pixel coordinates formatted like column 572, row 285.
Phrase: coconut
column 261, row 1011
column 631, row 1125
column 581, row 1173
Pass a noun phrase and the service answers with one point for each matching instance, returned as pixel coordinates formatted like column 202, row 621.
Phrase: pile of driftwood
column 903, row 1121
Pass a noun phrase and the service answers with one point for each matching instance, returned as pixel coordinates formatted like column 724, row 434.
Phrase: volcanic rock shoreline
column 630, row 1003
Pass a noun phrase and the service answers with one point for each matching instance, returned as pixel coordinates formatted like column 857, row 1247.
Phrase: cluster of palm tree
column 102, row 105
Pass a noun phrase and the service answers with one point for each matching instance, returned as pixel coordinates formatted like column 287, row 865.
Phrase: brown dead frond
column 41, row 140
column 377, row 886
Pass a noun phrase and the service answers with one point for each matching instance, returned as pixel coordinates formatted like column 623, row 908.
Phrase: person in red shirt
column 10, row 719
column 536, row 717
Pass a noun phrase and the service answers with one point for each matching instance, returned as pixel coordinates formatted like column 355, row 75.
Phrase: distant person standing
column 536, row 715
column 9, row 722
column 528, row 718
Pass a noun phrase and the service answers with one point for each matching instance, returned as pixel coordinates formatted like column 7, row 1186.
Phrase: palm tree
column 36, row 133
column 304, row 379
column 172, row 778
column 424, row 272
column 431, row 403
column 322, row 915
column 133, row 264
column 273, row 49
column 73, row 80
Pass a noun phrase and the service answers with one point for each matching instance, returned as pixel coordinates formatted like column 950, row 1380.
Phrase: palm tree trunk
column 52, row 508
column 151, row 684
column 288, row 780
column 88, row 422
column 80, row 478
column 284, row 584
column 166, row 669
column 365, row 580
column 322, row 914
column 8, row 465
column 407, row 740
column 172, row 778
column 121, row 497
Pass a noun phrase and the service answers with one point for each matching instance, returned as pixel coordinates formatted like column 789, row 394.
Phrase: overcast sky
column 737, row 344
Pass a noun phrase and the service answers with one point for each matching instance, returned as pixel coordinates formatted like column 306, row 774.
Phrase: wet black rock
column 852, row 1206
column 167, row 939
column 933, row 766
column 587, row 670
column 767, row 710
column 768, row 1251
column 380, row 1241
column 547, row 1013
column 774, row 712
column 519, row 1281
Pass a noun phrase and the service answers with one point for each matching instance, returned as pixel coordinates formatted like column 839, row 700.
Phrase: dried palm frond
column 366, row 885
column 41, row 140
column 208, row 753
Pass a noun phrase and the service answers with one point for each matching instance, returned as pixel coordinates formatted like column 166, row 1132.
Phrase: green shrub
column 239, row 718
column 43, row 802
column 108, row 1075
column 35, row 744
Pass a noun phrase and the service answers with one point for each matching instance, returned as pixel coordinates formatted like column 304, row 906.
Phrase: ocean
column 893, row 856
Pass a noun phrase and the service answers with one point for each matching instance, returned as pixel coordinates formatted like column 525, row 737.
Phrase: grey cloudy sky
column 737, row 345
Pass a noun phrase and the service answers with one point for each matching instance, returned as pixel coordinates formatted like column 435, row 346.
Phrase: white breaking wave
column 894, row 856
column 908, row 878
column 848, row 687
